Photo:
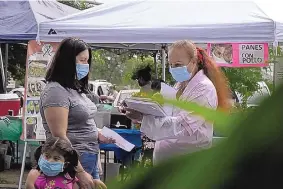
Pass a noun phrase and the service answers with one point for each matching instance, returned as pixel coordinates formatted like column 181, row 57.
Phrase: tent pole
column 2, row 74
column 6, row 67
column 275, row 50
column 163, row 63
column 23, row 166
column 155, row 64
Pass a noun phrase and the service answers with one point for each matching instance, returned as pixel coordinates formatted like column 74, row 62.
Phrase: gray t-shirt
column 82, row 131
column 93, row 97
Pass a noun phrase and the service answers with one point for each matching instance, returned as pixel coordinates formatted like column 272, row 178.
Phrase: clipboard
column 145, row 106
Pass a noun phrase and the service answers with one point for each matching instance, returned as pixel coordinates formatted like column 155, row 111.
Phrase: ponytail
column 217, row 77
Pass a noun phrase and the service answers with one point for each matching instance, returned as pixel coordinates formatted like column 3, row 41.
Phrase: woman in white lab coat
column 199, row 80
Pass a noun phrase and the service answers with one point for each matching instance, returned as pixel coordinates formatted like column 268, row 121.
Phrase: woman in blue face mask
column 66, row 110
column 199, row 80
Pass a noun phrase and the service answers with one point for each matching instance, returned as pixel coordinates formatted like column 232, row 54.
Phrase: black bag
column 2, row 162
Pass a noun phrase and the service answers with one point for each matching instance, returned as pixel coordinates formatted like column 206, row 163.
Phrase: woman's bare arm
column 76, row 186
column 57, row 120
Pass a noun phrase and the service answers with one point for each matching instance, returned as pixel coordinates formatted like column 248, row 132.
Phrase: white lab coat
column 183, row 132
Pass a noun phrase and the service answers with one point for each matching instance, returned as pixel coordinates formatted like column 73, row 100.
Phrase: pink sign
column 239, row 54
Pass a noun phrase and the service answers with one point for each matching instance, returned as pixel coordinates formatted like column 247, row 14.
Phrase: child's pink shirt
column 57, row 182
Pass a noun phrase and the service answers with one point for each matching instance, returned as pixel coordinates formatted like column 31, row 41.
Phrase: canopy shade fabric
column 151, row 21
column 19, row 19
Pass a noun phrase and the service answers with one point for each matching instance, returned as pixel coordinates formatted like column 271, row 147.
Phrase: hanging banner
column 239, row 54
column 38, row 58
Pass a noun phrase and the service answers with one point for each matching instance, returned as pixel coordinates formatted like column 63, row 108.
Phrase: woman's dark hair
column 156, row 84
column 63, row 65
column 142, row 73
column 63, row 147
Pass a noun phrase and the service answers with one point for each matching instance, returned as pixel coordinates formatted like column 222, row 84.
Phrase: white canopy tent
column 274, row 11
column 19, row 18
column 150, row 24
column 161, row 22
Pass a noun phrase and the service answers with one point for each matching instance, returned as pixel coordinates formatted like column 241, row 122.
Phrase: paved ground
column 10, row 178
column 10, row 186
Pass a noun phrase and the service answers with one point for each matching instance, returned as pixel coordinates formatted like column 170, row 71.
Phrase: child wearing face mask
column 56, row 163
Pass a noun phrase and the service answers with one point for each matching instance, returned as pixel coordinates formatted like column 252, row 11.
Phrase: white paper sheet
column 168, row 92
column 120, row 141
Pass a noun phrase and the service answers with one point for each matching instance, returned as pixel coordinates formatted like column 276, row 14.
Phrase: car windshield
column 259, row 96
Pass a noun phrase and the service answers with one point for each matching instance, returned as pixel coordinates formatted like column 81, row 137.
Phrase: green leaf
column 251, row 157
column 207, row 113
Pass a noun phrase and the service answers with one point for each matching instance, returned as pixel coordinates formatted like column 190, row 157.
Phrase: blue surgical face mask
column 50, row 169
column 180, row 74
column 82, row 70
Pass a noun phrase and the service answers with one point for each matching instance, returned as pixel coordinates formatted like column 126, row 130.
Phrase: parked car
column 19, row 91
column 255, row 100
column 99, row 87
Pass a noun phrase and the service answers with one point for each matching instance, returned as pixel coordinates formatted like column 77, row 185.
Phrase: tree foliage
column 108, row 65
column 16, row 61
column 79, row 4
column 117, row 66
column 156, row 70
column 243, row 80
